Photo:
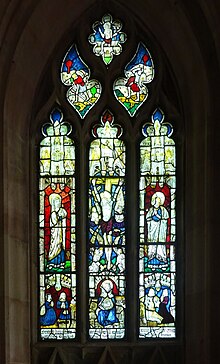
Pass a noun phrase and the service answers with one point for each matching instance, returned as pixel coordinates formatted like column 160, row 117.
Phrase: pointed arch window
column 107, row 261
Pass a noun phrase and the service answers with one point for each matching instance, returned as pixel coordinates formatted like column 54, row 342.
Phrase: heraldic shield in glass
column 82, row 93
column 157, row 290
column 106, row 238
column 131, row 91
column 107, row 38
column 57, row 247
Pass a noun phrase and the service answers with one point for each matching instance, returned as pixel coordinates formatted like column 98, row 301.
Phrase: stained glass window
column 107, row 188
column 57, row 247
column 107, row 38
column 157, row 290
column 107, row 231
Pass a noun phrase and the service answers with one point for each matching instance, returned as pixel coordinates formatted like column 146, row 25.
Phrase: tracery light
column 131, row 91
column 82, row 93
column 107, row 38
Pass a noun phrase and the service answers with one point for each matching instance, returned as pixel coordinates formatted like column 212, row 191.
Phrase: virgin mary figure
column 106, row 312
column 157, row 222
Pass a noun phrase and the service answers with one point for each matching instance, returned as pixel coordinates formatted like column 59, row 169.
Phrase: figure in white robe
column 56, row 255
column 150, row 305
column 157, row 223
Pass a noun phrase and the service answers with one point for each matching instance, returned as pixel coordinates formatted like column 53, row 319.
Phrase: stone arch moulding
column 24, row 75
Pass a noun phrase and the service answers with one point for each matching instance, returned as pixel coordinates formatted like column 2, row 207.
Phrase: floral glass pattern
column 82, row 93
column 107, row 231
column 107, row 38
column 157, row 229
column 131, row 90
column 57, row 244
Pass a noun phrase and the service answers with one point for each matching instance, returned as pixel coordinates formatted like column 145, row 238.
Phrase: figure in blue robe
column 106, row 313
column 49, row 317
column 63, row 305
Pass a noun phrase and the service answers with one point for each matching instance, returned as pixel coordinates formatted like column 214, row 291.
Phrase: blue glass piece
column 158, row 115
column 56, row 115
column 169, row 129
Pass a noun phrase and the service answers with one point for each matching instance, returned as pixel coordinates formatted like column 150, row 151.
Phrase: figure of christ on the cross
column 110, row 203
